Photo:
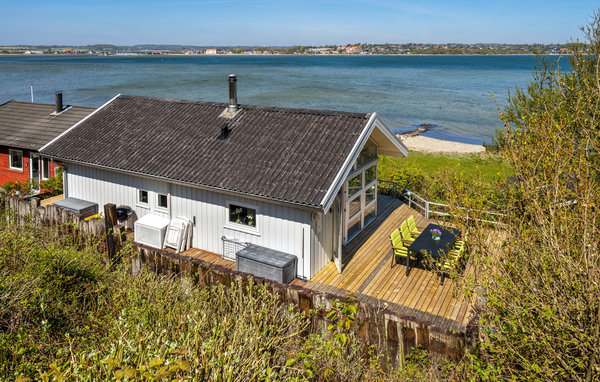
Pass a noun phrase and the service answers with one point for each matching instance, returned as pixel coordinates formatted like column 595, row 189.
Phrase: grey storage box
column 81, row 208
column 267, row 263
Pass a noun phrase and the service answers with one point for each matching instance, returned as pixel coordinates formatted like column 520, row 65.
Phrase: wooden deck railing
column 428, row 208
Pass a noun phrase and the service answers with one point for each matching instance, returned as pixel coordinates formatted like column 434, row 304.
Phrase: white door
column 34, row 171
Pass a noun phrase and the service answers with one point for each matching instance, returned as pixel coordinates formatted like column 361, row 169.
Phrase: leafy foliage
column 65, row 316
column 536, row 281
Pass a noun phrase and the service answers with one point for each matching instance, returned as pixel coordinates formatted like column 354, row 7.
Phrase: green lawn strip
column 485, row 166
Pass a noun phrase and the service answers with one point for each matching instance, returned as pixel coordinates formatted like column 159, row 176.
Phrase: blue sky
column 306, row 22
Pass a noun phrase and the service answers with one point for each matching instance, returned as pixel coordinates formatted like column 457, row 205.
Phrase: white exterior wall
column 280, row 227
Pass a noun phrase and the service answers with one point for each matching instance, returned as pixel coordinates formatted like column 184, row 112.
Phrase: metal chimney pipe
column 233, row 105
column 59, row 101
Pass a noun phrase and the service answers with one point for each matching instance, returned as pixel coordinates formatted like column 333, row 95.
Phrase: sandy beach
column 432, row 145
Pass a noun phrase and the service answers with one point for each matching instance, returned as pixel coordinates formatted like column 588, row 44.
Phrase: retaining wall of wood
column 391, row 334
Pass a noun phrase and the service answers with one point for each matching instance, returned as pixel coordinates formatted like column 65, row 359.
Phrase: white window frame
column 158, row 206
column 10, row 156
column 242, row 227
column 47, row 175
column 139, row 202
column 350, row 220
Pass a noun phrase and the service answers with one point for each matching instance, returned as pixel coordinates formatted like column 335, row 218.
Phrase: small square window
column 16, row 159
column 143, row 196
column 163, row 201
column 242, row 215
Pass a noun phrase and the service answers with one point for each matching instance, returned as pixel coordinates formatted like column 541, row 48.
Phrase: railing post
column 427, row 210
column 409, row 199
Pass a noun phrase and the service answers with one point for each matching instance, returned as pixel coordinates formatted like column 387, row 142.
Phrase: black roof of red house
column 28, row 125
column 291, row 155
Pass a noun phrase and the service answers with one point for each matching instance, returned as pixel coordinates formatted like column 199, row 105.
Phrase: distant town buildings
column 349, row 49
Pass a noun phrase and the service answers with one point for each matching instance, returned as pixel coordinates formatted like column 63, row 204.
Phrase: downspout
column 65, row 181
column 170, row 204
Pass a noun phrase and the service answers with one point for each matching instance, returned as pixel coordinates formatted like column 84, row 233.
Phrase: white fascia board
column 77, row 124
column 343, row 172
column 391, row 136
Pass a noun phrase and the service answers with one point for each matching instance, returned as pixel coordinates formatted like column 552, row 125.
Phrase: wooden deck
column 49, row 201
column 368, row 275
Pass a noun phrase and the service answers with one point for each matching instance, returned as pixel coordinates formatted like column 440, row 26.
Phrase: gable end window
column 242, row 215
column 15, row 159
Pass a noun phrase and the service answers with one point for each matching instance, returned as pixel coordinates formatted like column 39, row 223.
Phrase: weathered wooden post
column 110, row 219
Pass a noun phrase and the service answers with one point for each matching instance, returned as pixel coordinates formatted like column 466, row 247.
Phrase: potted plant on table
column 436, row 233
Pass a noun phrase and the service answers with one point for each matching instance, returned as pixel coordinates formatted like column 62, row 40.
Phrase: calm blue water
column 452, row 93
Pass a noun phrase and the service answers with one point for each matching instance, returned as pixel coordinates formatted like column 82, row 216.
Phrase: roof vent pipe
column 59, row 101
column 233, row 105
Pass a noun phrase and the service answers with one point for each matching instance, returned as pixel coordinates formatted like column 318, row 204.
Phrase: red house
column 24, row 128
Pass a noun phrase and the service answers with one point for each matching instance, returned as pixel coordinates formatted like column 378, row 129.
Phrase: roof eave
column 373, row 122
column 186, row 183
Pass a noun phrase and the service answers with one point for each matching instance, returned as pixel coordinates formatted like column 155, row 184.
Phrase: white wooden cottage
column 299, row 181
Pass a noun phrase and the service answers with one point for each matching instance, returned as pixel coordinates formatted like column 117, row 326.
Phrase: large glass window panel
column 368, row 153
column 354, row 206
column 370, row 214
column 354, row 185
column 370, row 174
column 370, row 194
column 353, row 228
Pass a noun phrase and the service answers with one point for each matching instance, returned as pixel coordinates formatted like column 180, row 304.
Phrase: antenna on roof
column 31, row 86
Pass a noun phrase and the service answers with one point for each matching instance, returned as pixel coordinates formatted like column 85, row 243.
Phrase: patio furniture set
column 436, row 246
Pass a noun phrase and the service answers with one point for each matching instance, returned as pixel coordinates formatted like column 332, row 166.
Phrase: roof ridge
column 258, row 107
column 45, row 104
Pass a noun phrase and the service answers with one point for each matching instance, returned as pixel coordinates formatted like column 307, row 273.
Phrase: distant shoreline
column 275, row 55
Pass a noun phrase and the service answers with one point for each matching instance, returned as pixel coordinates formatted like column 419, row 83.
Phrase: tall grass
column 65, row 316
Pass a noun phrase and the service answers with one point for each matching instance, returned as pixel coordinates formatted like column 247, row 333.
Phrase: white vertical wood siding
column 102, row 187
column 280, row 227
column 322, row 232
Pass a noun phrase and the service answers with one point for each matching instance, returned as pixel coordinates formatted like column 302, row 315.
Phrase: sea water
column 451, row 94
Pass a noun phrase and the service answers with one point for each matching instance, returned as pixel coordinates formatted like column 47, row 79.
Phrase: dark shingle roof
column 31, row 125
column 291, row 155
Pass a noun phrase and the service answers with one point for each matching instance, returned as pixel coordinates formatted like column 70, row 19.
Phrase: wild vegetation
column 435, row 176
column 64, row 315
column 537, row 279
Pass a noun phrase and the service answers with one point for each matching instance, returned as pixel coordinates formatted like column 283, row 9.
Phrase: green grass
column 433, row 176
column 483, row 166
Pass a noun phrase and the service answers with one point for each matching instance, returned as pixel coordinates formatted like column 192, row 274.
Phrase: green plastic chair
column 412, row 226
column 453, row 259
column 400, row 250
column 406, row 236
